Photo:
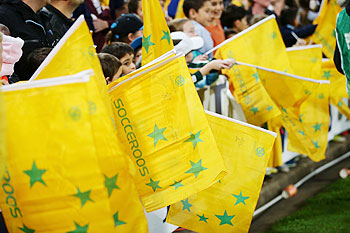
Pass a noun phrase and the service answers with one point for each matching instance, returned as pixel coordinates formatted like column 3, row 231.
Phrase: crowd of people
column 31, row 28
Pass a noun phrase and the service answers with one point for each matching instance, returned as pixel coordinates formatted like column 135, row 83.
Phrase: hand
column 300, row 42
column 100, row 25
column 4, row 82
column 221, row 64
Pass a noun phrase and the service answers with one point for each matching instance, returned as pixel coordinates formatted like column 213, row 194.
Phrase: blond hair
column 177, row 24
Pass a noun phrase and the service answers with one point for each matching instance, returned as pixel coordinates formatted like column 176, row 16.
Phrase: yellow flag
column 296, row 96
column 65, row 171
column 2, row 135
column 306, row 61
column 228, row 205
column 275, row 125
column 325, row 30
column 338, row 87
column 180, row 12
column 162, row 124
column 314, row 117
column 156, row 39
column 260, row 44
column 256, row 103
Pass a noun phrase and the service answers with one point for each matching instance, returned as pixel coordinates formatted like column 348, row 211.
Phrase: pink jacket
column 11, row 53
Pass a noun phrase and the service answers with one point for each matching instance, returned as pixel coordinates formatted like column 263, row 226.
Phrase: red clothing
column 217, row 32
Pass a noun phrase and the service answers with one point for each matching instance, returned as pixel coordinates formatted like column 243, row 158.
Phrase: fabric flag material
column 325, row 30
column 256, row 103
column 261, row 44
column 296, row 96
column 314, row 116
column 156, row 39
column 2, row 135
column 228, row 205
column 161, row 122
column 338, row 87
column 65, row 171
column 77, row 50
column 306, row 61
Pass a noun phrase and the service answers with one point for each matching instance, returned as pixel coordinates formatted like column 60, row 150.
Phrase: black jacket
column 58, row 23
column 302, row 32
column 24, row 23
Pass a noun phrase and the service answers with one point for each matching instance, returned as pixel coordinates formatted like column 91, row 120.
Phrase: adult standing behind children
column 215, row 27
column 60, row 12
column 21, row 18
column 200, row 12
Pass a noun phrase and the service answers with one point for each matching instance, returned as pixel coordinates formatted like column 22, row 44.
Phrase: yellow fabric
column 180, row 12
column 66, row 171
column 237, row 3
column 306, row 61
column 260, row 44
column 314, row 117
column 75, row 53
column 275, row 125
column 228, row 205
column 256, row 103
column 296, row 97
column 338, row 87
column 156, row 35
column 2, row 135
column 325, row 30
column 104, row 2
column 162, row 124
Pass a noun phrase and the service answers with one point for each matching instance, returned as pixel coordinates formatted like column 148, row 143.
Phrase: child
column 184, row 25
column 234, row 17
column 111, row 66
column 136, row 45
column 124, row 53
column 199, row 11
column 215, row 28
column 125, row 29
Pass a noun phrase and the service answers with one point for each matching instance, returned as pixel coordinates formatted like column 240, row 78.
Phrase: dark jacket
column 58, row 23
column 24, row 23
column 302, row 32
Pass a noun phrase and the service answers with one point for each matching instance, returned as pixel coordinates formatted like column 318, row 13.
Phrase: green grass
column 327, row 212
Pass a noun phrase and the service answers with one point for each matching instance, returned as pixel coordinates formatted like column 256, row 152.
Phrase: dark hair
column 118, row 49
column 36, row 57
column 110, row 64
column 229, row 32
column 288, row 16
column 110, row 38
column 192, row 4
column 231, row 14
column 133, row 5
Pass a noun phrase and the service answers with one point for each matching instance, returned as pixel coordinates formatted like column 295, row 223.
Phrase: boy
column 200, row 12
column 111, row 66
column 124, row 53
column 234, row 17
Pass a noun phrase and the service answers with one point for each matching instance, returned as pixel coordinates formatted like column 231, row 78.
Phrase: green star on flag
column 269, row 108
column 301, row 118
column 254, row 109
column 316, row 144
column 26, row 229
column 317, row 127
column 321, row 96
column 225, row 218
column 177, row 184
column 79, row 229
column 340, row 103
column 154, row 184
column 256, row 76
column 327, row 74
column 110, row 183
column 117, row 222
column 240, row 198
column 146, row 42
column 166, row 36
column 194, row 138
column 283, row 109
column 202, row 218
column 157, row 134
column 301, row 132
column 83, row 196
column 35, row 175
column 196, row 168
column 186, row 205
column 273, row 35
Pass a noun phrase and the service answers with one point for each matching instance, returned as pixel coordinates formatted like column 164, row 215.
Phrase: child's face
column 189, row 30
column 204, row 14
column 128, row 64
column 217, row 8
